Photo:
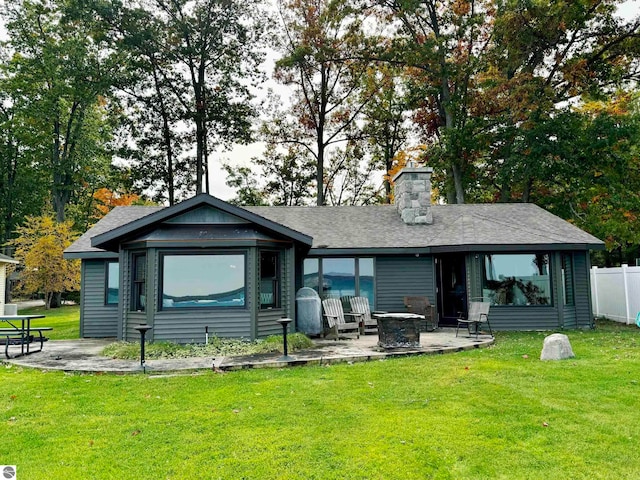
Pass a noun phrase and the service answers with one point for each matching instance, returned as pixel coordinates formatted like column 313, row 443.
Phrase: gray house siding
column 397, row 277
column 97, row 320
column 582, row 284
column 537, row 317
column 569, row 318
column 189, row 327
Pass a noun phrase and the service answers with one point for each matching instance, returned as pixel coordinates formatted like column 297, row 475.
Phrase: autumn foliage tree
column 106, row 200
column 39, row 247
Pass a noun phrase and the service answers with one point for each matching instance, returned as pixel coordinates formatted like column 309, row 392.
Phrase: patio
column 84, row 355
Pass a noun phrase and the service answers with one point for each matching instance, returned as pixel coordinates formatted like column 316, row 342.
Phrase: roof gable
column 198, row 208
column 205, row 215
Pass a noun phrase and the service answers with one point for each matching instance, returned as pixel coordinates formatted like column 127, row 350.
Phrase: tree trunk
column 458, row 183
column 166, row 136
column 55, row 300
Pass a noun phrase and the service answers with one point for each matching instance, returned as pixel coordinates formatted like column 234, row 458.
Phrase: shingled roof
column 379, row 229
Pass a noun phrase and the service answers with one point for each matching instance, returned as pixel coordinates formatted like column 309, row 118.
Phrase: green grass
column 491, row 413
column 64, row 320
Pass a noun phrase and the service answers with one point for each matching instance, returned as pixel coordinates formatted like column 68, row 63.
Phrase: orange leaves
column 401, row 159
column 461, row 7
column 106, row 200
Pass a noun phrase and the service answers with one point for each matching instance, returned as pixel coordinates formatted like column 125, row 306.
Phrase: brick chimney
column 413, row 194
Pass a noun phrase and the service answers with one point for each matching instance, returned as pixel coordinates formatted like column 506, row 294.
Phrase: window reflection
column 338, row 277
column 269, row 279
column 310, row 276
column 365, row 279
column 341, row 278
column 113, row 283
column 197, row 281
column 518, row 279
column 139, row 299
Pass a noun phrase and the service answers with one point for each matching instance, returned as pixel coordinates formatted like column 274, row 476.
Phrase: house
column 206, row 263
column 4, row 261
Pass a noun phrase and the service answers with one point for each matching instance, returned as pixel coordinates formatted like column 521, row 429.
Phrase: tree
column 23, row 182
column 59, row 77
column 244, row 180
column 39, row 246
column 276, row 178
column 483, row 69
column 194, row 60
column 385, row 118
column 317, row 42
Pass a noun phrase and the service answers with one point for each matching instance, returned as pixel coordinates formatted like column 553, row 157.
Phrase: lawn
column 64, row 320
column 492, row 413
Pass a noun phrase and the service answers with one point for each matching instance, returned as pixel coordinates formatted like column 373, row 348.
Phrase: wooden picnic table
column 21, row 331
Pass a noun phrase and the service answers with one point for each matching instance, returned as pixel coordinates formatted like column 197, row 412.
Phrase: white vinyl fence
column 615, row 293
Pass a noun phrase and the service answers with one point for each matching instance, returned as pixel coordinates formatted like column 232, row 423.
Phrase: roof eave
column 109, row 240
column 89, row 255
column 471, row 248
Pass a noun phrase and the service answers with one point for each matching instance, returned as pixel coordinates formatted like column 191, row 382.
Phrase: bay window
column 203, row 280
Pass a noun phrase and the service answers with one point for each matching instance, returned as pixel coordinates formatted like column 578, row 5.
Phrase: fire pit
column 398, row 330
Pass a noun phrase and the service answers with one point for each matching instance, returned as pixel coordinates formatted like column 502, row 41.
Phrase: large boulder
column 556, row 347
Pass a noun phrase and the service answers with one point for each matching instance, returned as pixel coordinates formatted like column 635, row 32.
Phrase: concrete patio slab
column 84, row 355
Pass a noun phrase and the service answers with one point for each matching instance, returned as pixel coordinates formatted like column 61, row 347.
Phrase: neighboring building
column 206, row 263
column 4, row 261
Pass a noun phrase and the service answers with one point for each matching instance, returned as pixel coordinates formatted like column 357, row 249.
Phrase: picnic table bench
column 20, row 332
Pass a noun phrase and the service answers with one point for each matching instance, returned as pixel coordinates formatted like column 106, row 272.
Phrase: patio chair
column 367, row 324
column 478, row 315
column 335, row 315
column 346, row 302
column 422, row 306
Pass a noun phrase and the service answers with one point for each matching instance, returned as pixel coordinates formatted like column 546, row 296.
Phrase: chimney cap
column 410, row 168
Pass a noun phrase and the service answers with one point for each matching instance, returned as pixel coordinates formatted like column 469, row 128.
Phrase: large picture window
column 112, row 293
column 341, row 277
column 517, row 279
column 203, row 281
column 269, row 279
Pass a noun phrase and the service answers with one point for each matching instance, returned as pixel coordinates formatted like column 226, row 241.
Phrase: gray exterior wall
column 568, row 319
column 397, row 277
column 582, row 289
column 554, row 317
column 97, row 320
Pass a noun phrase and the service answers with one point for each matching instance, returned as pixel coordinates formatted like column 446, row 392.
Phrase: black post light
column 142, row 329
column 284, row 321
